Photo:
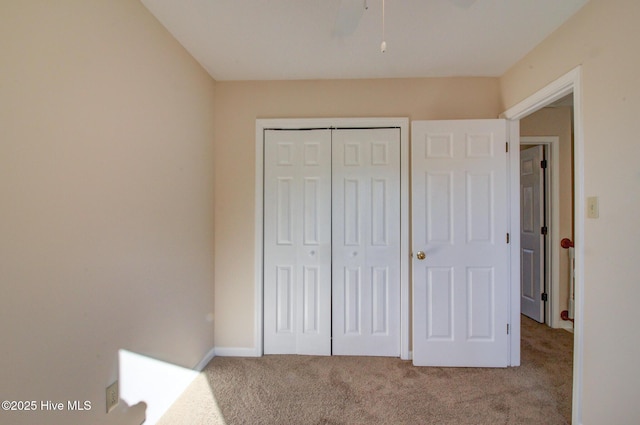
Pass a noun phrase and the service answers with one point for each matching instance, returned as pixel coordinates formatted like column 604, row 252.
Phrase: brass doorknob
column 421, row 255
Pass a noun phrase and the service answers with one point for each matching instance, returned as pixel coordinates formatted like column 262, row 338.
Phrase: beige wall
column 557, row 122
column 238, row 104
column 106, row 201
column 603, row 38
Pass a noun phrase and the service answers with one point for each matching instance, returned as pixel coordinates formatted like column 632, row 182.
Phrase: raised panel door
column 459, row 213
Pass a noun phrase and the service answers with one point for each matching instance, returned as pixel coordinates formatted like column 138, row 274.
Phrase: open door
column 460, row 243
column 532, row 231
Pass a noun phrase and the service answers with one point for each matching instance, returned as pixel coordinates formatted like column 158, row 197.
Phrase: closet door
column 366, row 242
column 297, row 242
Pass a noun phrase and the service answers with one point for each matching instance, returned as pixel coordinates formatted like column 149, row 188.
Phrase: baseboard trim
column 205, row 360
column 567, row 326
column 236, row 352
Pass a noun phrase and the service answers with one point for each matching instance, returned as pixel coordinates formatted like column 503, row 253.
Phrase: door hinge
column 507, row 329
column 507, row 147
column 507, row 238
column 543, row 163
column 545, row 296
column 544, row 230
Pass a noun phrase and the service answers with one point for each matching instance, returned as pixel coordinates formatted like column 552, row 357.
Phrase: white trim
column 236, row 352
column 294, row 123
column 553, row 210
column 513, row 135
column 405, row 241
column 205, row 360
column 568, row 83
column 259, row 241
column 556, row 90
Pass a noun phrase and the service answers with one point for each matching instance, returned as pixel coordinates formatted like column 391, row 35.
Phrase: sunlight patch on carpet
column 159, row 384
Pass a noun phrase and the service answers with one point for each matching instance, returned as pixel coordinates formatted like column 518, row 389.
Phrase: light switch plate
column 593, row 207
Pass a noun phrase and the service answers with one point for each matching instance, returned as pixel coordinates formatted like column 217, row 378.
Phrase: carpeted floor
column 373, row 390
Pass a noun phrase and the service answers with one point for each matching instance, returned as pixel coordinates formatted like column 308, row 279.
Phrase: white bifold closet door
column 332, row 242
column 366, row 242
column 297, row 242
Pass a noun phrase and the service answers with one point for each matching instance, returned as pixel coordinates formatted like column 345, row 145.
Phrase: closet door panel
column 297, row 242
column 366, row 242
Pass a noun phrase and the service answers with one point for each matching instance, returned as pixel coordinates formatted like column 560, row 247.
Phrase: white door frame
column 330, row 123
column 552, row 252
column 567, row 84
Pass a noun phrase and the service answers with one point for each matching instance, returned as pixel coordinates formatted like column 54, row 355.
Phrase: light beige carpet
column 373, row 390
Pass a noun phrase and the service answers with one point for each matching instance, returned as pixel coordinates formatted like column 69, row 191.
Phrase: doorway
column 558, row 211
column 552, row 128
column 563, row 86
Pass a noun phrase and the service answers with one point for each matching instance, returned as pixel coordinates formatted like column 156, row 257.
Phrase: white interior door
column 297, row 242
column 459, row 214
column 531, row 236
column 366, row 242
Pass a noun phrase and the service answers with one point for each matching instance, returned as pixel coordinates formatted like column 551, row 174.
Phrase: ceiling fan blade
column 463, row 3
column 348, row 17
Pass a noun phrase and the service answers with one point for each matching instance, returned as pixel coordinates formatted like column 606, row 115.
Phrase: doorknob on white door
column 421, row 255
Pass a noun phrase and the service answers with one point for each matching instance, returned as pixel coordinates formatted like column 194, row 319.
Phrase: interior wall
column 106, row 188
column 557, row 122
column 238, row 104
column 600, row 37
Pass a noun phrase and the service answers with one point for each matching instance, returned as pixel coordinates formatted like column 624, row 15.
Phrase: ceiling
column 335, row 39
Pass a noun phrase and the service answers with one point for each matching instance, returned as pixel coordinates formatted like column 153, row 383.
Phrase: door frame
column 564, row 85
column 333, row 123
column 552, row 200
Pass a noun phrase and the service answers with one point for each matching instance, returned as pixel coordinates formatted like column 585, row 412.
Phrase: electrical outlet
column 112, row 396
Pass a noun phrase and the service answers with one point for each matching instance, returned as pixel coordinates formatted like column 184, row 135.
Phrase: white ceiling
column 298, row 39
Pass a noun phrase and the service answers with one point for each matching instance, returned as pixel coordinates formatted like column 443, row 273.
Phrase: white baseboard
column 567, row 326
column 205, row 360
column 236, row 352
